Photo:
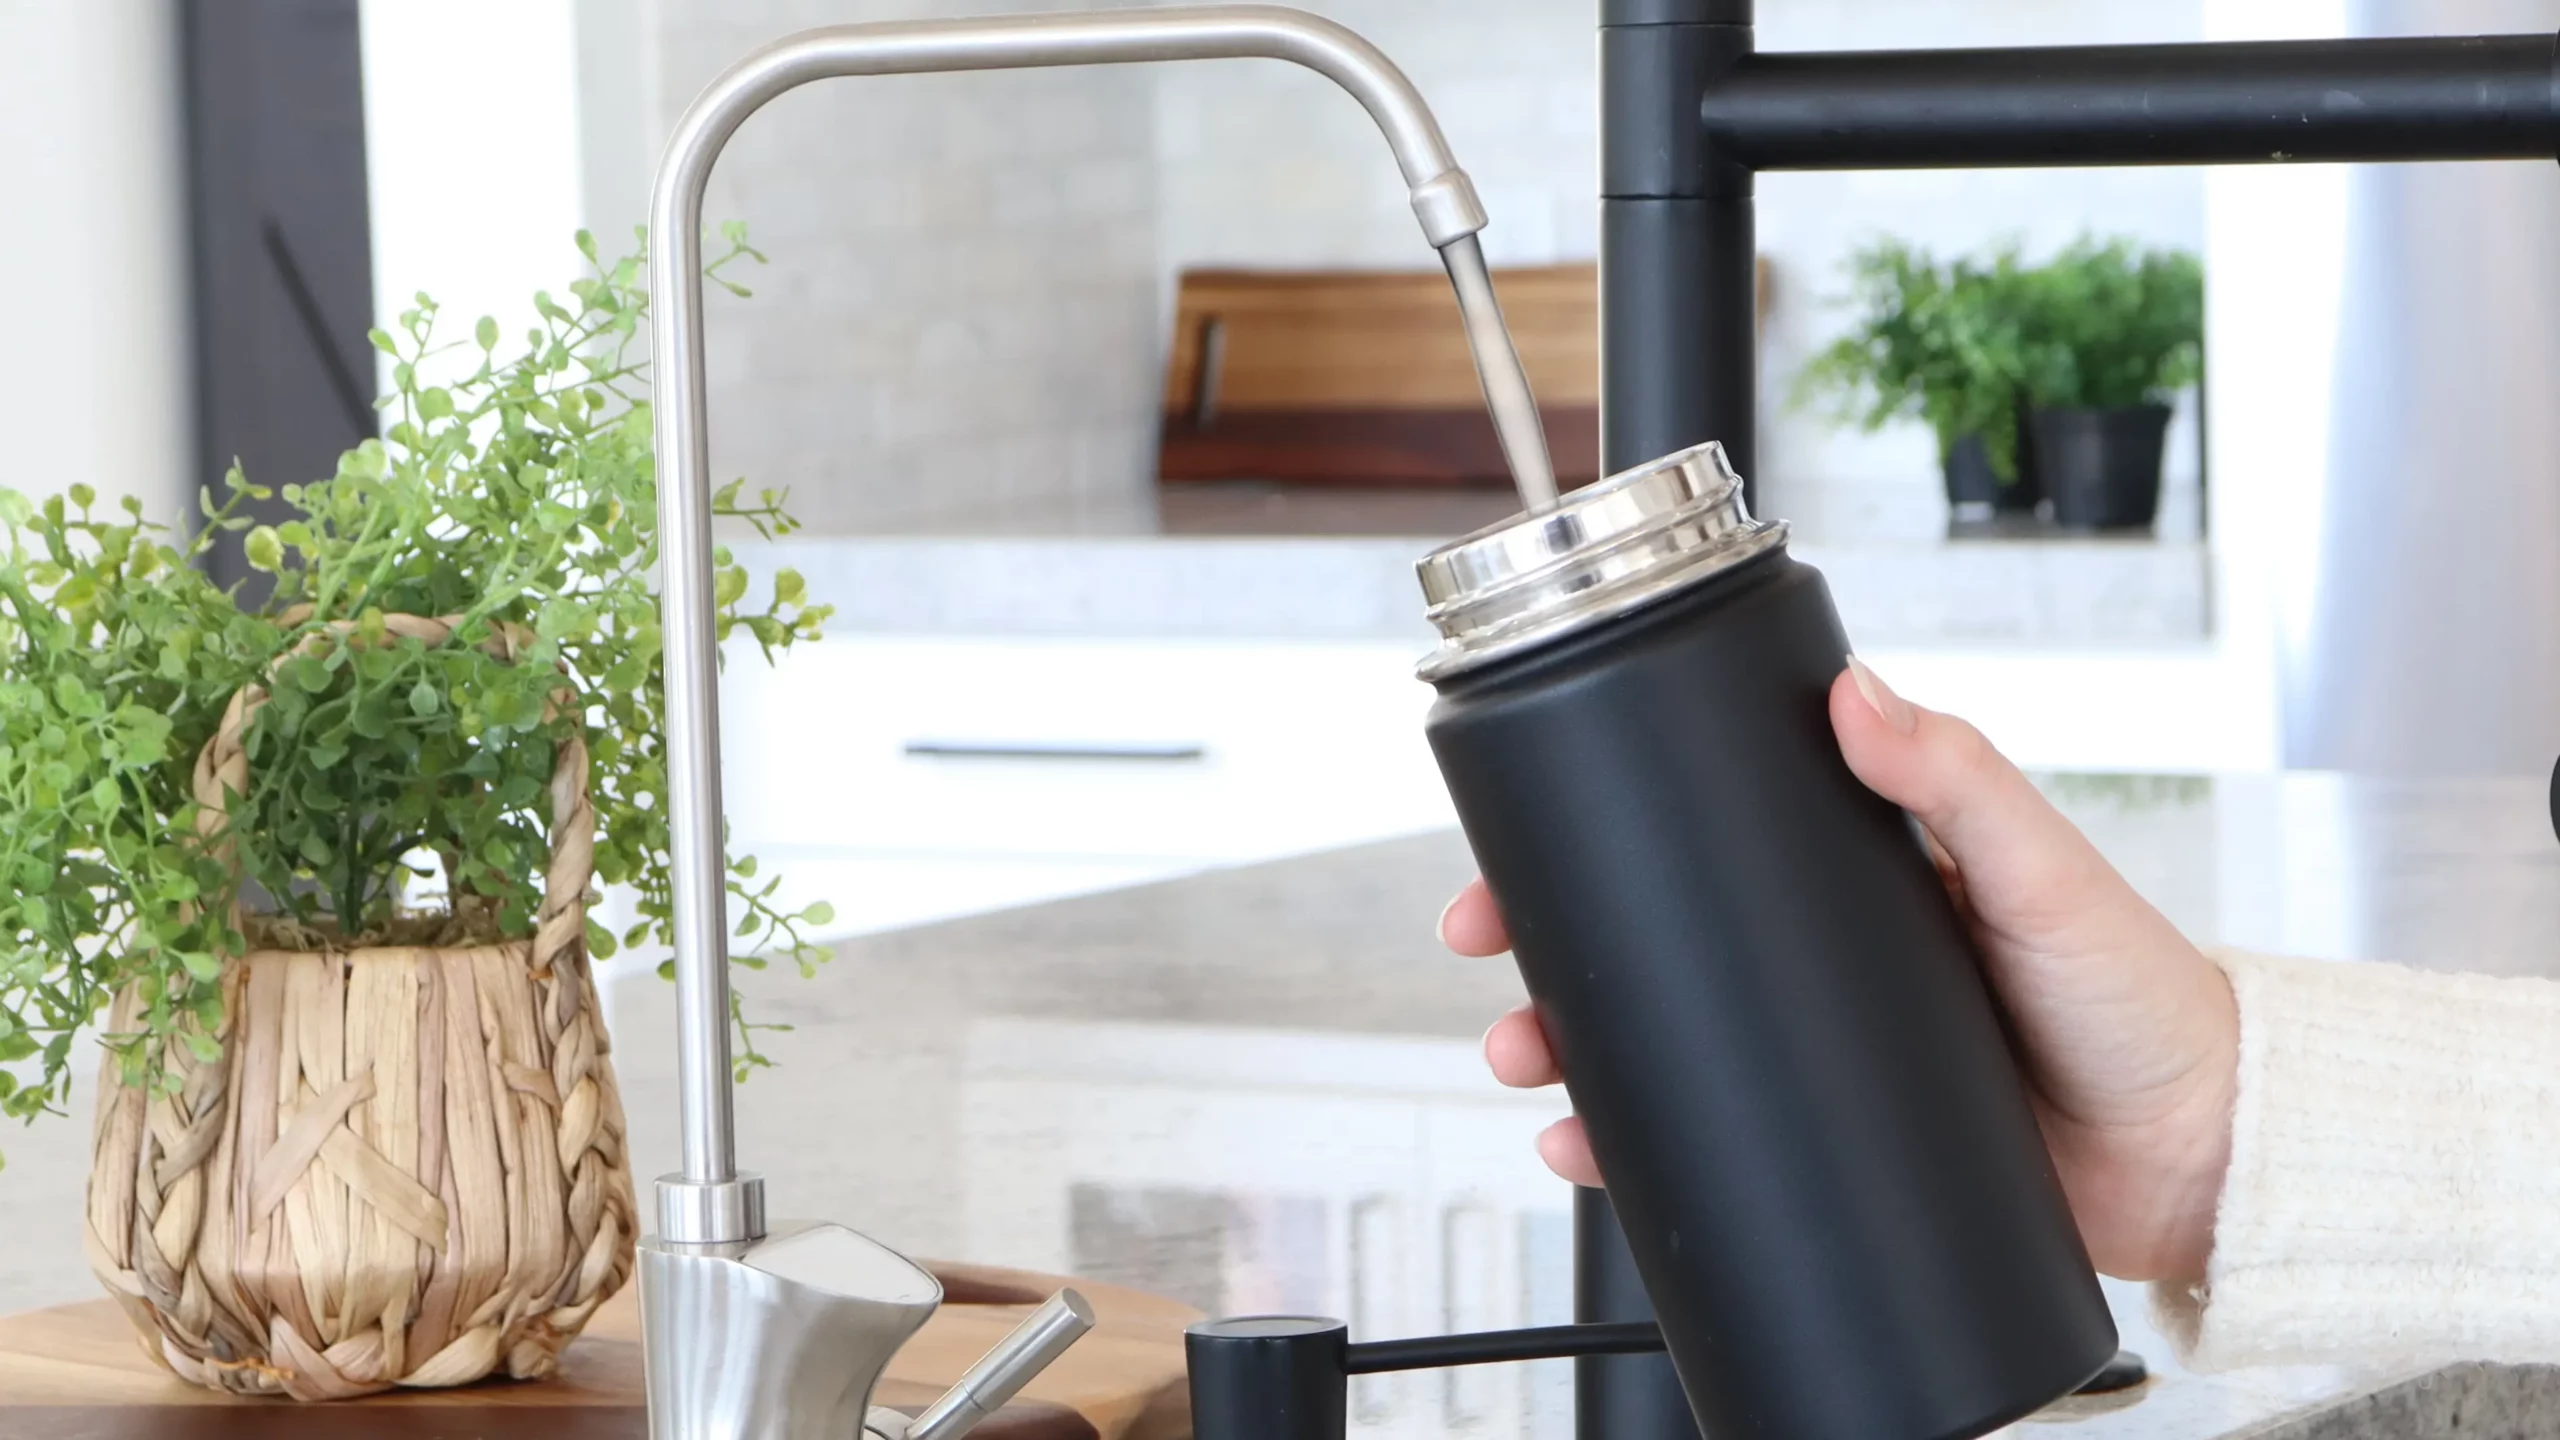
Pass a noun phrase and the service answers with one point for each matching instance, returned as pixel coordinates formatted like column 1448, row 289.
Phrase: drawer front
column 1205, row 751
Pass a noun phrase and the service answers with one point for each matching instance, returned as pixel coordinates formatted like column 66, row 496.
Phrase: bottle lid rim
column 1600, row 551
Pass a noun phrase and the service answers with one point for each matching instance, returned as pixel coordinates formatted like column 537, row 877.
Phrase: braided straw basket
column 407, row 1168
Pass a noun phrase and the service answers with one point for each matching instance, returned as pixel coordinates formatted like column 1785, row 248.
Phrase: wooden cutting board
column 78, row 1373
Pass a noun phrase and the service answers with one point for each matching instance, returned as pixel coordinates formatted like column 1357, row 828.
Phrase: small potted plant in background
column 2111, row 335
column 1944, row 344
column 2049, row 381
column 355, row 1130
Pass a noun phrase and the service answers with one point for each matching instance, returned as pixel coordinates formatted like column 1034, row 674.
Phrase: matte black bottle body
column 1774, row 1025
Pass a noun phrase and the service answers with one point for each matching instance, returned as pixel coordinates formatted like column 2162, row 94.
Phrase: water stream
column 1506, row 384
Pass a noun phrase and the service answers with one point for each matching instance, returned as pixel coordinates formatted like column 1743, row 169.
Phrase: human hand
column 2129, row 1035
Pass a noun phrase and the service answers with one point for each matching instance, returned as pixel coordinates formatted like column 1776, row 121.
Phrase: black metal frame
column 1691, row 110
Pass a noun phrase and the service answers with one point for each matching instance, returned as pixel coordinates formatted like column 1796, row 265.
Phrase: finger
column 1471, row 925
column 2004, row 837
column 1517, row 1050
column 1567, row 1152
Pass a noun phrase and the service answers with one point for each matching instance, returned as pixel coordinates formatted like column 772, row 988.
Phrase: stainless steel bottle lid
column 1604, row 550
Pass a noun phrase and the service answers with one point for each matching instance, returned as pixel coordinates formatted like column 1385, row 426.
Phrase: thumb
column 2022, row 862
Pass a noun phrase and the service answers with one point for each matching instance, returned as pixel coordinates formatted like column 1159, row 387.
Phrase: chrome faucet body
column 781, row 1331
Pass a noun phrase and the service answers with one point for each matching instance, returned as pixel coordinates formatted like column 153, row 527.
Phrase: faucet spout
column 1016, row 1361
column 710, row 1201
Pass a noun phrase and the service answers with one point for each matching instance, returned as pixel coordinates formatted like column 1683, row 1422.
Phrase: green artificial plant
column 2108, row 327
column 1939, row 342
column 1965, row 345
column 521, row 495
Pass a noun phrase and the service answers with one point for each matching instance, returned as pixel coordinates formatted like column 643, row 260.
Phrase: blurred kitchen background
column 979, row 349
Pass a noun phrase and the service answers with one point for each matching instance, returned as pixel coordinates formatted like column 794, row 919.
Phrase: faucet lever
column 998, row 1376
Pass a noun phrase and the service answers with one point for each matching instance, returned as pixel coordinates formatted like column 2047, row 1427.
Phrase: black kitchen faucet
column 1691, row 110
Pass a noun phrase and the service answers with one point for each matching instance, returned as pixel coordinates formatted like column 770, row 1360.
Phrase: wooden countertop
column 79, row 1373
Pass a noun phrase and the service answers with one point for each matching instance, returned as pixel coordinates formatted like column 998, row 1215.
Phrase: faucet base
column 780, row 1338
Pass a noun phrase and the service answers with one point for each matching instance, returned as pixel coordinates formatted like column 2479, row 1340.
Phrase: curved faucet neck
column 710, row 1201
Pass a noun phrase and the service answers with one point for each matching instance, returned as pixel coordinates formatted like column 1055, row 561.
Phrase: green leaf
column 538, row 516
column 565, row 619
column 820, row 913
column 206, row 1049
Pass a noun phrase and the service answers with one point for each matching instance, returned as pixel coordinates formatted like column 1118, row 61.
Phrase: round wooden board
column 79, row 1373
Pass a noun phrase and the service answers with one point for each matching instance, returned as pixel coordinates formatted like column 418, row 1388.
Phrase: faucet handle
column 997, row 1377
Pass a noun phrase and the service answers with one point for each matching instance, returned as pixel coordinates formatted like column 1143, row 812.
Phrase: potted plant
column 1942, row 343
column 319, row 870
column 2111, row 337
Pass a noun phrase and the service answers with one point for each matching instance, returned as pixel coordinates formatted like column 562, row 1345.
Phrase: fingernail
column 1440, row 927
column 1892, row 708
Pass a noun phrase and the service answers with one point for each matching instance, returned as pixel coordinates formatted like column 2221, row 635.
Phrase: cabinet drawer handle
column 1173, row 751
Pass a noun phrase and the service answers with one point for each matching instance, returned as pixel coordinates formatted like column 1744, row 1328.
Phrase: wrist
column 2192, row 1197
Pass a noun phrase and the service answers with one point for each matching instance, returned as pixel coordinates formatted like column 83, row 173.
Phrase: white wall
column 94, row 384
column 95, row 389
column 1267, row 164
column 472, row 158
column 957, row 329
column 2429, row 631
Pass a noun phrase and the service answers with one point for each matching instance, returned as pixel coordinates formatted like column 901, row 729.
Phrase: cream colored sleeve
column 2394, row 1192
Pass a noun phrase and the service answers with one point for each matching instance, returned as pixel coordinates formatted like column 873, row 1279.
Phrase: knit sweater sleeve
column 2394, row 1191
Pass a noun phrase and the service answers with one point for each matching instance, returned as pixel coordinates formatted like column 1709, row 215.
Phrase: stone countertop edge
column 2469, row 1401
column 1994, row 594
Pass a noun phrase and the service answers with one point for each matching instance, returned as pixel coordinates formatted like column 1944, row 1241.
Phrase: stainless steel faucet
column 757, row 1332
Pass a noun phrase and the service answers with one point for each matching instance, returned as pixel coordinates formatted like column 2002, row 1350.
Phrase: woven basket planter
column 406, row 1169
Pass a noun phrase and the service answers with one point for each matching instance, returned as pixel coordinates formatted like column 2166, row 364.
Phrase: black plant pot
column 1972, row 485
column 2102, row 467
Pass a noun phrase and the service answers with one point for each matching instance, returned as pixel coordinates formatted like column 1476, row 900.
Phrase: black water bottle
column 1770, row 1017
